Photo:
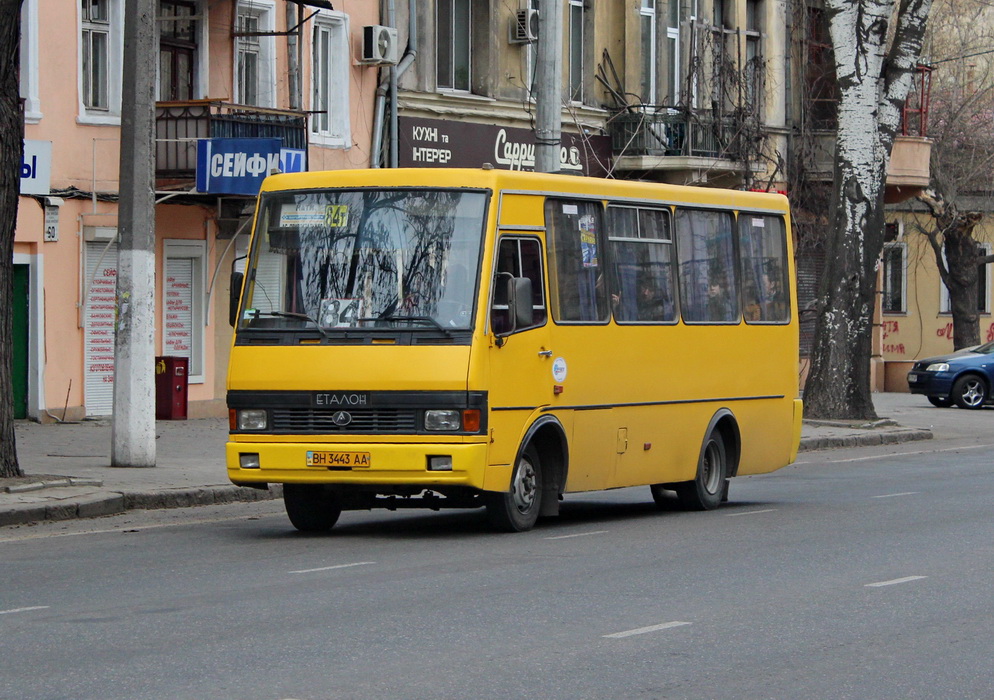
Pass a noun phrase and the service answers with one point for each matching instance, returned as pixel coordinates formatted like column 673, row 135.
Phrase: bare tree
column 11, row 152
column 876, row 45
column 962, row 130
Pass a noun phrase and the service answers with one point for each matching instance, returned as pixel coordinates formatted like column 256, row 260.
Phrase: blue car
column 964, row 377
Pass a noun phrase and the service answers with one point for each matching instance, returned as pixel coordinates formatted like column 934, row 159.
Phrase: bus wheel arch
column 540, row 463
column 717, row 462
column 548, row 438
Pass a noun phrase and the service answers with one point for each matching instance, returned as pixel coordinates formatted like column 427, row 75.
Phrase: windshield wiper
column 302, row 317
column 426, row 320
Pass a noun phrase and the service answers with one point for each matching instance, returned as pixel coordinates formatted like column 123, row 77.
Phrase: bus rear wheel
column 517, row 510
column 311, row 508
column 707, row 490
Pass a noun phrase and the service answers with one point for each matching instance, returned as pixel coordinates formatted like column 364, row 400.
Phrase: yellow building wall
column 923, row 330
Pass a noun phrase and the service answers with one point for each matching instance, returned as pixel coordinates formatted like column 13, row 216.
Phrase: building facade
column 244, row 85
column 915, row 317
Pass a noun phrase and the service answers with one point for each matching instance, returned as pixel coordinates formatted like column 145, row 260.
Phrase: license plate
column 912, row 377
column 338, row 459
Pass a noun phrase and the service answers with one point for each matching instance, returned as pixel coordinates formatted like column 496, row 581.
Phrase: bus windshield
column 345, row 259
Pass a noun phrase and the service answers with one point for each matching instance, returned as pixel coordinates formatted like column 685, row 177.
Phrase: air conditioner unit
column 379, row 45
column 524, row 27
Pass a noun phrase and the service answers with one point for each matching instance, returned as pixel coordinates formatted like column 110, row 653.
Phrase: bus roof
column 516, row 180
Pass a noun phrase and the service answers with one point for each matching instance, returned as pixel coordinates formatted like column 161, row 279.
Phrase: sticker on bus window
column 292, row 217
column 758, row 222
column 336, row 216
column 339, row 313
column 588, row 241
column 570, row 209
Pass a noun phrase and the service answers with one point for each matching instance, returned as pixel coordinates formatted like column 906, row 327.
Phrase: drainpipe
column 389, row 85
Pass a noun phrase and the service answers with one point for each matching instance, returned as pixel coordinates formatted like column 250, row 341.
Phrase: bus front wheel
column 517, row 510
column 707, row 489
column 311, row 508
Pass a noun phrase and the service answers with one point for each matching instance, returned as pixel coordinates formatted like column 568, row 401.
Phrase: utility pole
column 549, row 86
column 133, row 426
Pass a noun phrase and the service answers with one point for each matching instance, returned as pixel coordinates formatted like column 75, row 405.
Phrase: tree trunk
column 962, row 256
column 958, row 260
column 11, row 152
column 873, row 83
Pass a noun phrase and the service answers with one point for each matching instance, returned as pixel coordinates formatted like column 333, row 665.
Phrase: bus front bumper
column 369, row 464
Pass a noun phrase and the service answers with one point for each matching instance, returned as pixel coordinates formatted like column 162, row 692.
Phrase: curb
column 889, row 437
column 117, row 502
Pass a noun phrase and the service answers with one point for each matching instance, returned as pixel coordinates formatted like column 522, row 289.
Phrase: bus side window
column 708, row 283
column 642, row 278
column 519, row 257
column 576, row 260
column 763, row 254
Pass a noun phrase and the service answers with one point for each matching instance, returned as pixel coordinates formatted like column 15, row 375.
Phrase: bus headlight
column 436, row 419
column 251, row 419
column 938, row 367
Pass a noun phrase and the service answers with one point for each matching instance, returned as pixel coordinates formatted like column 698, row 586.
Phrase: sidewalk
column 67, row 472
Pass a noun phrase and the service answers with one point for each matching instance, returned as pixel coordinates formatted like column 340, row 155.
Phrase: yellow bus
column 484, row 338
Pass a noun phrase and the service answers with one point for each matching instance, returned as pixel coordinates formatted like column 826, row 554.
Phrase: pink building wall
column 85, row 157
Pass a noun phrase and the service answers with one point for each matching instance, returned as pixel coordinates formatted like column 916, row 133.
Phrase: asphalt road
column 852, row 574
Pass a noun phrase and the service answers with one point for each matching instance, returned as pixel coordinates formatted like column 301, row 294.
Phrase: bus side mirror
column 520, row 301
column 234, row 296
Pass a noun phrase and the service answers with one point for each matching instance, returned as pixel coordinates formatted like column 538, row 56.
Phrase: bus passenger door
column 521, row 359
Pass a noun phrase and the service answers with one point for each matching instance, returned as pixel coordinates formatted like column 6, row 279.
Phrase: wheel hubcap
column 525, row 486
column 972, row 396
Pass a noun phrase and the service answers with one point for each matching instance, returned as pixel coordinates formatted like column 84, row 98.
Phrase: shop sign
column 239, row 165
column 36, row 167
column 433, row 143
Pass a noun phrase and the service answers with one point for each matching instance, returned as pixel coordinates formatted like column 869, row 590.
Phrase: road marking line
column 20, row 610
column 646, row 630
column 894, row 495
column 751, row 512
column 329, row 568
column 894, row 582
column 579, row 534
column 902, row 454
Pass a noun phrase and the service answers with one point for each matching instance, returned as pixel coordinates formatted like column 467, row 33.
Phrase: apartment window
column 673, row 54
column 254, row 77
column 895, row 278
column 329, row 80
column 177, row 48
column 531, row 58
column 29, row 62
column 576, row 47
column 452, row 44
column 96, row 51
column 647, row 20
column 752, row 71
column 983, row 285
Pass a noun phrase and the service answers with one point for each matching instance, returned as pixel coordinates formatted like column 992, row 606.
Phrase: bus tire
column 516, row 510
column 709, row 487
column 311, row 508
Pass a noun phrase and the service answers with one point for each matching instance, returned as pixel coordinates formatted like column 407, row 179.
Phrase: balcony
column 690, row 146
column 178, row 125
column 907, row 173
